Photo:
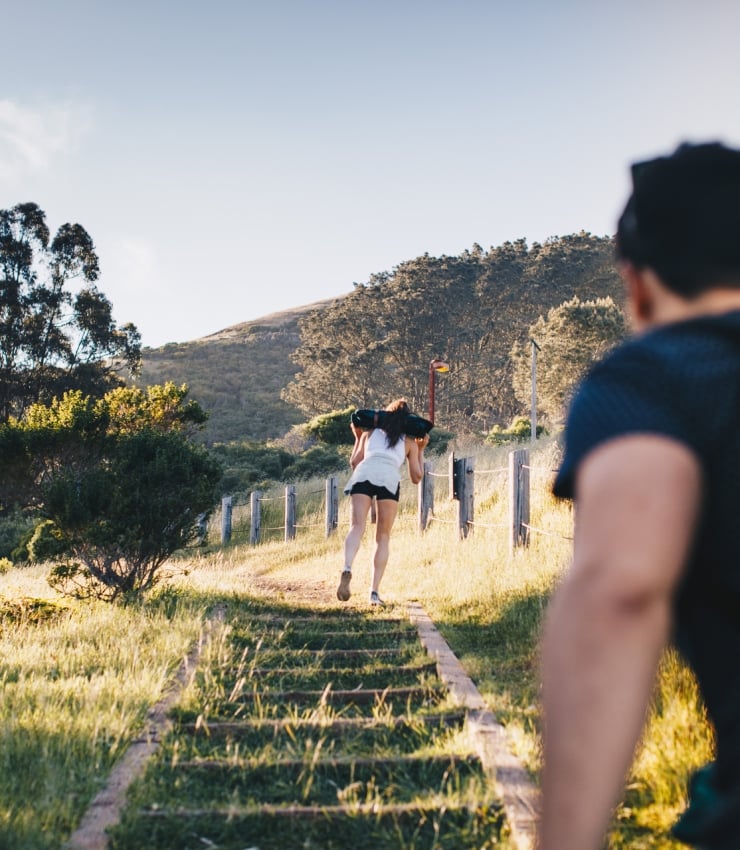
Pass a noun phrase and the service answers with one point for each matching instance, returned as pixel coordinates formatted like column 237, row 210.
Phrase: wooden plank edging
column 518, row 792
column 105, row 809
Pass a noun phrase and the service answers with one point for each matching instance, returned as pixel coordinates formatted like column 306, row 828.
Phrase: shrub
column 121, row 519
column 439, row 440
column 40, row 542
column 14, row 527
column 332, row 428
column 248, row 464
column 47, row 542
column 120, row 480
column 518, row 431
column 320, row 460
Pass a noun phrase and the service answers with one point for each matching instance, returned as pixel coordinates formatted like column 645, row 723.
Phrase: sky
column 233, row 159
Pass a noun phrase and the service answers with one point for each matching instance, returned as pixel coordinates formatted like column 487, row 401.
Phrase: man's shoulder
column 694, row 349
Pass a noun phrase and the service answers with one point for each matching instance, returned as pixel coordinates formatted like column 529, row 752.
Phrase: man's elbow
column 618, row 596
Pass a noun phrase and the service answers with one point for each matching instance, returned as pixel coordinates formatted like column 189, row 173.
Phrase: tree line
column 472, row 310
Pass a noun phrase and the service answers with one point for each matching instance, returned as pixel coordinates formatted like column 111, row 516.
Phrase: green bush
column 119, row 480
column 40, row 542
column 332, row 428
column 15, row 526
column 248, row 464
column 319, row 460
column 123, row 517
column 46, row 543
column 518, row 431
column 439, row 440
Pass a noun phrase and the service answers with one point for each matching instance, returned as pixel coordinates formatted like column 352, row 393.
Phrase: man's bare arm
column 637, row 501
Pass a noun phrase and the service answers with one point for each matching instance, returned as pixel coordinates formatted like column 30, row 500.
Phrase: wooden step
column 441, row 720
column 361, row 696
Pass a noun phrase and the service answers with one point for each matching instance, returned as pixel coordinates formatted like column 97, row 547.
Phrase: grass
column 78, row 678
column 388, row 780
column 77, row 681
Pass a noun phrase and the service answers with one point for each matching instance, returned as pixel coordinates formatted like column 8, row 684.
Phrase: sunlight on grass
column 79, row 677
column 75, row 688
column 489, row 604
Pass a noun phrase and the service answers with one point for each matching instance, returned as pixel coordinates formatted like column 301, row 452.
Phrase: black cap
column 683, row 218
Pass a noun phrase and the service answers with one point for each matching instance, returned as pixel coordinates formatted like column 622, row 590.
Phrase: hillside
column 236, row 374
column 376, row 342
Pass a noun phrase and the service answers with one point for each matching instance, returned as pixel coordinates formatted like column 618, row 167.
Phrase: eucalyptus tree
column 56, row 327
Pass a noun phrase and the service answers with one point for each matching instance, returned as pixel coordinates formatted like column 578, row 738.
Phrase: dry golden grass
column 77, row 678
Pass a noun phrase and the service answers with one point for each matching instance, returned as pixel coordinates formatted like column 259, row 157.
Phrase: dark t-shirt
column 683, row 381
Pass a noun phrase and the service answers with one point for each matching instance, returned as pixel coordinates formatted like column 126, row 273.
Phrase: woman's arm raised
column 415, row 457
column 358, row 450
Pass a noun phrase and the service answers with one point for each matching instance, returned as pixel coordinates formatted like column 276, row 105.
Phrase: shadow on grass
column 497, row 640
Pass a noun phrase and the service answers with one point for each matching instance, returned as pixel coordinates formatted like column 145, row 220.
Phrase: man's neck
column 667, row 307
column 713, row 302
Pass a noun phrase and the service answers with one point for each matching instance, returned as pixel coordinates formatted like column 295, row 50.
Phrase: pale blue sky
column 231, row 159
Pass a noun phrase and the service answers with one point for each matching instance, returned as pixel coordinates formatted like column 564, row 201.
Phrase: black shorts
column 366, row 488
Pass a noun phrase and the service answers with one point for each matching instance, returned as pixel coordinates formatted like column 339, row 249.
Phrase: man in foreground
column 652, row 461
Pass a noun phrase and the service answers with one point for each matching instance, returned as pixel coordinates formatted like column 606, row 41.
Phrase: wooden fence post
column 451, row 475
column 256, row 519
column 518, row 498
column 290, row 511
column 225, row 519
column 201, row 524
column 332, row 505
column 426, row 496
column 465, row 492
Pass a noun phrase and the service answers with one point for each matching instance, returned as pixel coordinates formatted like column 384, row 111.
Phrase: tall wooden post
column 466, row 495
column 518, row 498
column 256, row 517
column 425, row 491
column 332, row 505
column 451, row 460
column 290, row 512
column 225, row 520
column 201, row 523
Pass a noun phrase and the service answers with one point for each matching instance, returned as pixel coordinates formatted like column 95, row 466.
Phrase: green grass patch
column 312, row 780
column 79, row 678
column 451, row 828
column 379, row 737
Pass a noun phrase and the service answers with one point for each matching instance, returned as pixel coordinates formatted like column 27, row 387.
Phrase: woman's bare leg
column 359, row 508
column 387, row 510
column 358, row 511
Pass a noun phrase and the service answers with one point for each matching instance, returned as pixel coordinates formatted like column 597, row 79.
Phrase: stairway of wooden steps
column 328, row 730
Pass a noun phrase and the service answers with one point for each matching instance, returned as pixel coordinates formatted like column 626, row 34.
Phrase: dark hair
column 394, row 422
column 683, row 218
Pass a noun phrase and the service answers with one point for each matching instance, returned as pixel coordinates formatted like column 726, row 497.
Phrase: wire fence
column 473, row 501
